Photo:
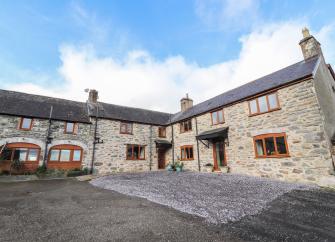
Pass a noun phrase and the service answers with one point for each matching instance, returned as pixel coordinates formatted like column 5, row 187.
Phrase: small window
column 271, row 145
column 126, row 128
column 186, row 126
column 217, row 117
column 70, row 128
column 135, row 152
column 264, row 104
column 186, row 152
column 26, row 123
column 162, row 132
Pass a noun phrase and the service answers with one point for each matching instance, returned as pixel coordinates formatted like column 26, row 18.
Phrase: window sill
column 187, row 160
column 126, row 133
column 218, row 124
column 256, row 114
column 24, row 129
column 272, row 156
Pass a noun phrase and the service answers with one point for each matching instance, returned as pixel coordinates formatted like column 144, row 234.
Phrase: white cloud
column 140, row 80
column 227, row 14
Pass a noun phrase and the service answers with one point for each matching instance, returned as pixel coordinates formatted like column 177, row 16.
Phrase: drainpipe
column 94, row 138
column 172, row 141
column 196, row 131
column 150, row 149
column 47, row 138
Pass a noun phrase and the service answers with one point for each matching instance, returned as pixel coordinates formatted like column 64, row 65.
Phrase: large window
column 70, row 128
column 26, row 123
column 271, row 145
column 126, row 128
column 20, row 151
column 264, row 104
column 186, row 126
column 135, row 152
column 217, row 117
column 65, row 153
column 186, row 152
column 162, row 132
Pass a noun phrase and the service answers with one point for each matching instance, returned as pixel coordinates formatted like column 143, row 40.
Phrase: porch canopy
column 161, row 143
column 220, row 133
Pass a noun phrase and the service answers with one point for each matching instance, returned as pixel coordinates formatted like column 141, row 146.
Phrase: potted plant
column 179, row 166
column 171, row 167
column 208, row 167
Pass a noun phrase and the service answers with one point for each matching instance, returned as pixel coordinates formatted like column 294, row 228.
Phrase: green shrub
column 41, row 169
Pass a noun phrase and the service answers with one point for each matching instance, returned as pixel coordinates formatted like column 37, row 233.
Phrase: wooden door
column 161, row 159
column 219, row 155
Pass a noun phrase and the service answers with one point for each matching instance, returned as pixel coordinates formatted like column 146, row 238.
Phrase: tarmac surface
column 69, row 210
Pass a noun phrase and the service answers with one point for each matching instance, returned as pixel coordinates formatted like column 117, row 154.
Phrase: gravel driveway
column 219, row 198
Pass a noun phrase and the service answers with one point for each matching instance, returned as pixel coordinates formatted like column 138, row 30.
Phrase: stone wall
column 299, row 117
column 10, row 132
column 111, row 154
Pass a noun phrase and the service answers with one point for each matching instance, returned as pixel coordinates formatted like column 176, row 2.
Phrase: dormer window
column 26, row 123
column 70, row 128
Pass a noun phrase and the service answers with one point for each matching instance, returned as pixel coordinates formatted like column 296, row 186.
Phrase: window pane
column 20, row 154
column 270, row 146
column 136, row 152
column 54, row 154
column 123, row 128
column 182, row 154
column 215, row 117
column 65, row 155
column 129, row 152
column 281, row 147
column 220, row 114
column 129, row 128
column 253, row 106
column 142, row 152
column 263, row 107
column 191, row 153
column 32, row 155
column 189, row 124
column 6, row 154
column 69, row 127
column 273, row 101
column 187, row 153
column 26, row 122
column 259, row 147
column 76, row 155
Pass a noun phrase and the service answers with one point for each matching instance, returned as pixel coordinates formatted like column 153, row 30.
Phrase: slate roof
column 284, row 76
column 22, row 104
column 112, row 111
column 35, row 106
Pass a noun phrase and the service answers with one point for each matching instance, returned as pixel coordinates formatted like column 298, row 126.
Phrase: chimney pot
column 93, row 96
column 186, row 103
column 310, row 47
column 305, row 32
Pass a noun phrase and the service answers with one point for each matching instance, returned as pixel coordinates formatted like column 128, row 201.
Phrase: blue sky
column 173, row 47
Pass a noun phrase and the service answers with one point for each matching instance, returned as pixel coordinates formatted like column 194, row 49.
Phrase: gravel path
column 219, row 198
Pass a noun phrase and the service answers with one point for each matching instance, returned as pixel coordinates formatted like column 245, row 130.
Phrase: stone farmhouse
column 280, row 126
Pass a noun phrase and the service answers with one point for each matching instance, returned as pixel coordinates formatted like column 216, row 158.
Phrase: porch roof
column 163, row 143
column 213, row 134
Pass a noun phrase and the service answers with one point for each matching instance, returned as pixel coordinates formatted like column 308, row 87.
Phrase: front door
column 161, row 159
column 219, row 155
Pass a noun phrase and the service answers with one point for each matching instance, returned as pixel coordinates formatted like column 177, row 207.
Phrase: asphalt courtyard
column 69, row 210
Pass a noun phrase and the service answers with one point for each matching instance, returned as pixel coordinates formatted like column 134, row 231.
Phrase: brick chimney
column 93, row 96
column 309, row 45
column 186, row 103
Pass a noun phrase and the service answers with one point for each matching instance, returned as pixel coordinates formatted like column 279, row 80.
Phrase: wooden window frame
column 132, row 152
column 75, row 125
column 217, row 117
column 72, row 148
column 274, row 136
column 162, row 132
column 185, row 147
column 182, row 126
column 267, row 104
column 28, row 146
column 21, row 123
column 126, row 123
